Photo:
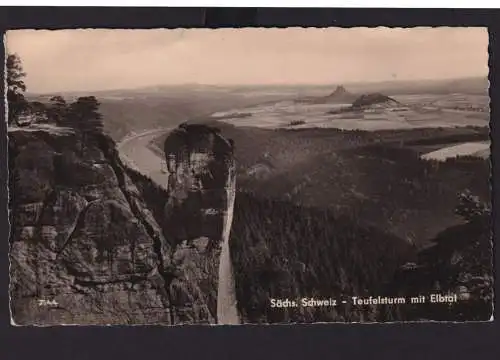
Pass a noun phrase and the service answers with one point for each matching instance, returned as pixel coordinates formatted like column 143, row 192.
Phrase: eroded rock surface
column 201, row 190
column 87, row 249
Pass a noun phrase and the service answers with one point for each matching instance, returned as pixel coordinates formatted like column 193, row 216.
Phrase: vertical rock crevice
column 159, row 243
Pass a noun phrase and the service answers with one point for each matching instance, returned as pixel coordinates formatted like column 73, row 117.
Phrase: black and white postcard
column 249, row 176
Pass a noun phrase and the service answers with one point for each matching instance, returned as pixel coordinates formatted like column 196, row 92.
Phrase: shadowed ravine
column 200, row 180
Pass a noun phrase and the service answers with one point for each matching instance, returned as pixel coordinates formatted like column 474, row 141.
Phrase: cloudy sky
column 99, row 59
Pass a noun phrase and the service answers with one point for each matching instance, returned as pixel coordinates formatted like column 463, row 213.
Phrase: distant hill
column 367, row 100
column 340, row 96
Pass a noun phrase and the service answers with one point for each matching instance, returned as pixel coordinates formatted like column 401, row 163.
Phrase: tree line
column 82, row 114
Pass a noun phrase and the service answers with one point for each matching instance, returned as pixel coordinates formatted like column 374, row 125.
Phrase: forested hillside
column 281, row 250
column 376, row 177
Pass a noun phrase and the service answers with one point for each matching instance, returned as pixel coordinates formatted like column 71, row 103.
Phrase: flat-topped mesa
column 374, row 99
column 199, row 210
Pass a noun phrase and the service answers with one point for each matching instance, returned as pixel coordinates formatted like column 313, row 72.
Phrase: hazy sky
column 101, row 59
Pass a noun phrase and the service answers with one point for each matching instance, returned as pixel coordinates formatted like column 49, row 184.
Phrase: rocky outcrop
column 201, row 190
column 85, row 248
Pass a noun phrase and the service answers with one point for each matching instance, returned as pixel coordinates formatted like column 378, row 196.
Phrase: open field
column 414, row 111
column 479, row 149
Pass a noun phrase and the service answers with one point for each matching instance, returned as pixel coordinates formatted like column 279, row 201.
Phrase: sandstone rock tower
column 198, row 217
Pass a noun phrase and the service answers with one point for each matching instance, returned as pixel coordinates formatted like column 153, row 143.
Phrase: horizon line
column 334, row 84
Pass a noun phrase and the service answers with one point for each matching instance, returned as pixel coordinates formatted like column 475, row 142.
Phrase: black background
column 334, row 341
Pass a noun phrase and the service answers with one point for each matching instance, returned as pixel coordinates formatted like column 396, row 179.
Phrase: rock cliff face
column 201, row 191
column 87, row 247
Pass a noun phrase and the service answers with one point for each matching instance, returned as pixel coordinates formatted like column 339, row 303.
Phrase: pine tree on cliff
column 15, row 87
column 84, row 116
column 58, row 110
